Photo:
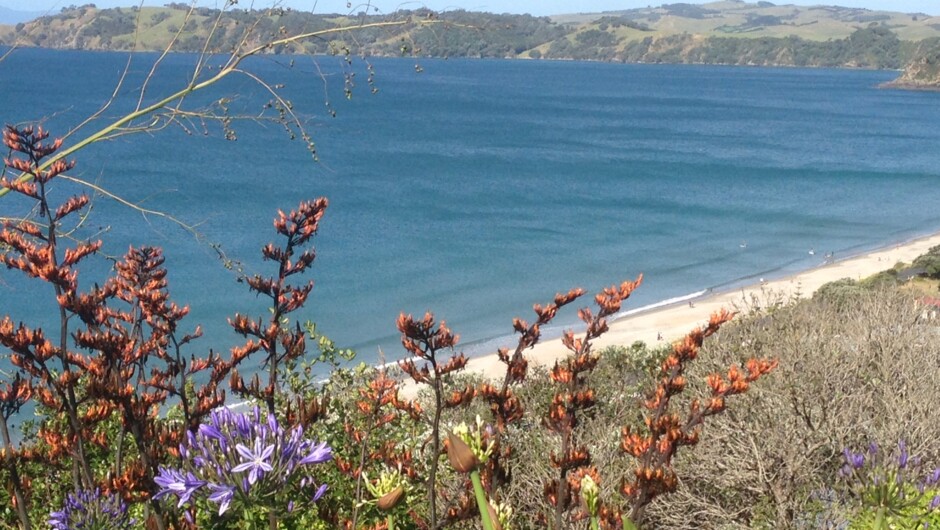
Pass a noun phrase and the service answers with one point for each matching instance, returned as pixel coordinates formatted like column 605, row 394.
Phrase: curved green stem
column 189, row 89
column 880, row 522
column 482, row 503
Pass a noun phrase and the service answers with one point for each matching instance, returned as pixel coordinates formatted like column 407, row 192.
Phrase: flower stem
column 229, row 68
column 482, row 503
column 391, row 521
column 594, row 524
column 628, row 524
column 880, row 522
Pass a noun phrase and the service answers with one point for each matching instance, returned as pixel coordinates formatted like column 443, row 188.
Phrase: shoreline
column 673, row 321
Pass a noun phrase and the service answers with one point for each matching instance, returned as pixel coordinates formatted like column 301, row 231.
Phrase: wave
column 661, row 303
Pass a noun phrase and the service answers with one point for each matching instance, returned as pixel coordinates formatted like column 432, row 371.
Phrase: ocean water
column 476, row 188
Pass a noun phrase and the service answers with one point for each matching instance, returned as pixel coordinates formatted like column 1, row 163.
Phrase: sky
column 535, row 7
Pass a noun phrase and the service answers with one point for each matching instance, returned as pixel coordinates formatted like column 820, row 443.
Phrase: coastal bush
column 930, row 262
column 842, row 293
column 849, row 373
column 882, row 280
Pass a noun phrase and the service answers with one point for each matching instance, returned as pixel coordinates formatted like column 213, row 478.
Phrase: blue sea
column 475, row 188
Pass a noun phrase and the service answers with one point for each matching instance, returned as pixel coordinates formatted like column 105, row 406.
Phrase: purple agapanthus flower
column 902, row 455
column 221, row 495
column 90, row 510
column 319, row 454
column 853, row 460
column 896, row 487
column 256, row 461
column 246, row 460
column 172, row 481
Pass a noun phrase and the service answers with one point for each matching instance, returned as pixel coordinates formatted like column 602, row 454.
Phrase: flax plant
column 127, row 358
column 425, row 340
column 664, row 430
column 575, row 397
column 33, row 249
column 132, row 367
column 505, row 407
column 280, row 342
column 13, row 396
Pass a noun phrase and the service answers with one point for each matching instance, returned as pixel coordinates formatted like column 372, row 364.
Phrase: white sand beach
column 673, row 322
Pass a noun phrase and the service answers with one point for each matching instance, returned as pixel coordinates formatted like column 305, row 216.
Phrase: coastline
column 900, row 84
column 673, row 321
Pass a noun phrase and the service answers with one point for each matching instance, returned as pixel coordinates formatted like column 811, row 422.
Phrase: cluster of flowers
column 90, row 510
column 243, row 459
column 892, row 489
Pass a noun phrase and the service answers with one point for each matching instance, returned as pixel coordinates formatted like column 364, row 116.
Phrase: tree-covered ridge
column 727, row 32
column 923, row 69
column 734, row 18
column 152, row 28
column 872, row 47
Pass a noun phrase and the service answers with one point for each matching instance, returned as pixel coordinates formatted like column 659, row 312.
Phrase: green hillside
column 726, row 32
column 733, row 18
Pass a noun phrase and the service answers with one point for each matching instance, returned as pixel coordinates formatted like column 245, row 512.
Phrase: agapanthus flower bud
column 391, row 499
column 460, row 455
column 500, row 515
column 388, row 490
column 590, row 493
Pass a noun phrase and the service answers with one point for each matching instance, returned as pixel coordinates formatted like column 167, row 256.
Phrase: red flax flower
column 574, row 395
column 665, row 430
column 13, row 396
column 128, row 359
column 31, row 247
column 425, row 339
column 280, row 342
column 505, row 406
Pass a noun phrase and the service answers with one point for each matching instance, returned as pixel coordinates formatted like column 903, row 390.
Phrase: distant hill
column 12, row 16
column 736, row 18
column 725, row 32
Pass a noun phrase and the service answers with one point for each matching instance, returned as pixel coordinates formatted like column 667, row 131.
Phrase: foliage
column 930, row 262
column 843, row 293
column 677, row 33
column 875, row 47
column 922, row 67
column 891, row 492
column 847, row 374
